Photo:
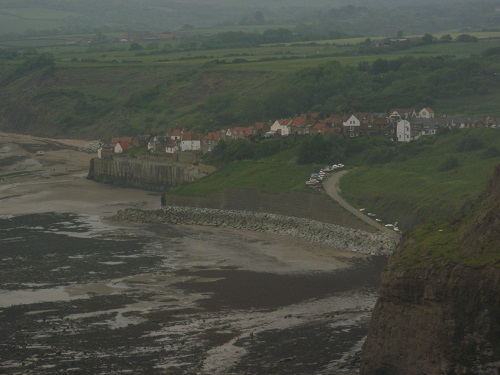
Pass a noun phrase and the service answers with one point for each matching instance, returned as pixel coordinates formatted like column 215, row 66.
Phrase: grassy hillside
column 420, row 187
column 471, row 239
column 273, row 174
column 416, row 186
column 111, row 89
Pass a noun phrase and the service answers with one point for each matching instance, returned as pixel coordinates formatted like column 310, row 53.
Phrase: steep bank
column 439, row 306
column 298, row 204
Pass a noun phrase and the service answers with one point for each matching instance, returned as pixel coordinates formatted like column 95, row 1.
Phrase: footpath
column 331, row 186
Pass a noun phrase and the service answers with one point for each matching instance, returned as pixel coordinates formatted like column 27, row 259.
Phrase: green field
column 415, row 189
column 276, row 56
column 19, row 20
column 275, row 174
column 412, row 189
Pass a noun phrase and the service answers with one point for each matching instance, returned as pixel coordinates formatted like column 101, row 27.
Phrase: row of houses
column 401, row 125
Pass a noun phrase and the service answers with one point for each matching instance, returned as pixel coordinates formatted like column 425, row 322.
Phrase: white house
column 172, row 148
column 118, row 148
column 190, row 141
column 176, row 135
column 405, row 131
column 282, row 126
column 352, row 126
column 153, row 145
column 426, row 113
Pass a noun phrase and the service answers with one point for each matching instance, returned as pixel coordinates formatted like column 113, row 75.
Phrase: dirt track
column 331, row 186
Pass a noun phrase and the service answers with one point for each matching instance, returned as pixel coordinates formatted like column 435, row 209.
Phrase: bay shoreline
column 221, row 297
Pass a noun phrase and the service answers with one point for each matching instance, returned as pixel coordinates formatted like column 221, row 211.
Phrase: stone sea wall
column 312, row 206
column 143, row 174
column 314, row 231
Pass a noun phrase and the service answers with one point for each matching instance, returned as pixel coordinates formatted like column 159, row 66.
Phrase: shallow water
column 80, row 294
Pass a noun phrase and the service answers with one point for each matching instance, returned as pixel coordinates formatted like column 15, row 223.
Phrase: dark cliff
column 439, row 305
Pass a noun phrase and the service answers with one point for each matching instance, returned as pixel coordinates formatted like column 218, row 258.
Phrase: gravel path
column 331, row 186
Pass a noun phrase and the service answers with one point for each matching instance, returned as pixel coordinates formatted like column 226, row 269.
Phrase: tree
column 446, row 38
column 135, row 47
column 100, row 38
column 466, row 38
column 367, row 42
column 427, row 38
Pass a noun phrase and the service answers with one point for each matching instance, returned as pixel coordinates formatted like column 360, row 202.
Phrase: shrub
column 470, row 144
column 451, row 162
column 491, row 152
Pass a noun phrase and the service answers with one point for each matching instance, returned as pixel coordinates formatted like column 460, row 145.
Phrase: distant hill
column 361, row 17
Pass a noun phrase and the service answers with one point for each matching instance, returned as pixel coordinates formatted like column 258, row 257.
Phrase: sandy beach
column 79, row 292
column 56, row 181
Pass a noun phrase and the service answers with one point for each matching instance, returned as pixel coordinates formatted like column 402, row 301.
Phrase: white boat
column 312, row 182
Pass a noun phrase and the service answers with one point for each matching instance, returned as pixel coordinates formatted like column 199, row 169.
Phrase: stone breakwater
column 314, row 231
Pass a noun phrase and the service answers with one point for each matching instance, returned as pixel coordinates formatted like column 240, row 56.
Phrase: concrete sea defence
column 314, row 231
column 137, row 173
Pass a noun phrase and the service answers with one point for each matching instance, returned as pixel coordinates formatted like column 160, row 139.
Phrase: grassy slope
column 273, row 175
column 95, row 102
column 414, row 190
column 106, row 80
column 409, row 191
column 471, row 240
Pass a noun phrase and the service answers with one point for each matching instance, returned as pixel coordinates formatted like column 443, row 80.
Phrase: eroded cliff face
column 439, row 305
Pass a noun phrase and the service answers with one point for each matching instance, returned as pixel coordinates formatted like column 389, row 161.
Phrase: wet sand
column 56, row 181
column 79, row 293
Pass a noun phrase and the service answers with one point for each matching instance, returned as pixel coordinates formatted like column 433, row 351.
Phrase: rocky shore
column 314, row 231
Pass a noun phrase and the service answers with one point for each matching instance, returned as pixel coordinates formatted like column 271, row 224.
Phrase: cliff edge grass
column 473, row 239
column 438, row 310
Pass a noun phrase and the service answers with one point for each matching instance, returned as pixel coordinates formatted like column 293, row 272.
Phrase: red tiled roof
column 176, row 133
column 211, row 137
column 241, row 131
column 319, row 126
column 190, row 136
column 125, row 142
column 300, row 120
column 284, row 121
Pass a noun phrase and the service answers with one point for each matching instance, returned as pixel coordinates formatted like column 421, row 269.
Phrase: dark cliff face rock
column 439, row 310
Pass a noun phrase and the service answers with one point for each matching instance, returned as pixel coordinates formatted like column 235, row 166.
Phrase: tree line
column 370, row 86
